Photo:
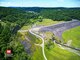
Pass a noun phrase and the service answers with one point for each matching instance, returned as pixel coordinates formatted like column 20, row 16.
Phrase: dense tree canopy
column 61, row 14
column 11, row 20
column 57, row 13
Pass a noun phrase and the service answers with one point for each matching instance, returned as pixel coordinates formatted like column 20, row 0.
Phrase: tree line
column 61, row 14
column 57, row 13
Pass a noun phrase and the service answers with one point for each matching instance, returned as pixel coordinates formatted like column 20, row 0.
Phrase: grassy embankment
column 54, row 52
column 74, row 35
column 47, row 22
column 37, row 54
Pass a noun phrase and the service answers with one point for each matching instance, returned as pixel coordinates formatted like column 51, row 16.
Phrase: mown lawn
column 74, row 35
column 56, row 53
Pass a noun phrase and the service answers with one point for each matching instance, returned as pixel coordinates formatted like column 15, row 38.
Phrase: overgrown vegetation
column 34, row 39
column 11, row 20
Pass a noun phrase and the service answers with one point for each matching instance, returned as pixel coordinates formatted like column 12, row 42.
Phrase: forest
column 11, row 20
column 57, row 13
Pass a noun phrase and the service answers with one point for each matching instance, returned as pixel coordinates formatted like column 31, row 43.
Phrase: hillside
column 19, row 32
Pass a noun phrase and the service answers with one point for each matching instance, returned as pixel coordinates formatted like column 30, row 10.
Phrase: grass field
column 74, row 35
column 56, row 53
column 37, row 54
column 47, row 22
column 25, row 27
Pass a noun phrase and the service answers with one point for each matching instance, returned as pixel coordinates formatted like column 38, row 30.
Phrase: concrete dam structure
column 58, row 29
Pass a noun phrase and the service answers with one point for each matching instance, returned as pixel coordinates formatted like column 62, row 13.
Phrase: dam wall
column 58, row 29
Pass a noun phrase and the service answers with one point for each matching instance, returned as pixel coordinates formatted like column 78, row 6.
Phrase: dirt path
column 42, row 45
column 69, row 49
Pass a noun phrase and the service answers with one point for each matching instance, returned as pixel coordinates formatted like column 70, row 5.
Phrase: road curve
column 42, row 45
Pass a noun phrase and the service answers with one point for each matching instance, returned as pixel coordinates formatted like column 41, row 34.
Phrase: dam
column 58, row 29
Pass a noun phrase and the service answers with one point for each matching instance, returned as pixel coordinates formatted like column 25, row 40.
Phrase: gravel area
column 58, row 29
